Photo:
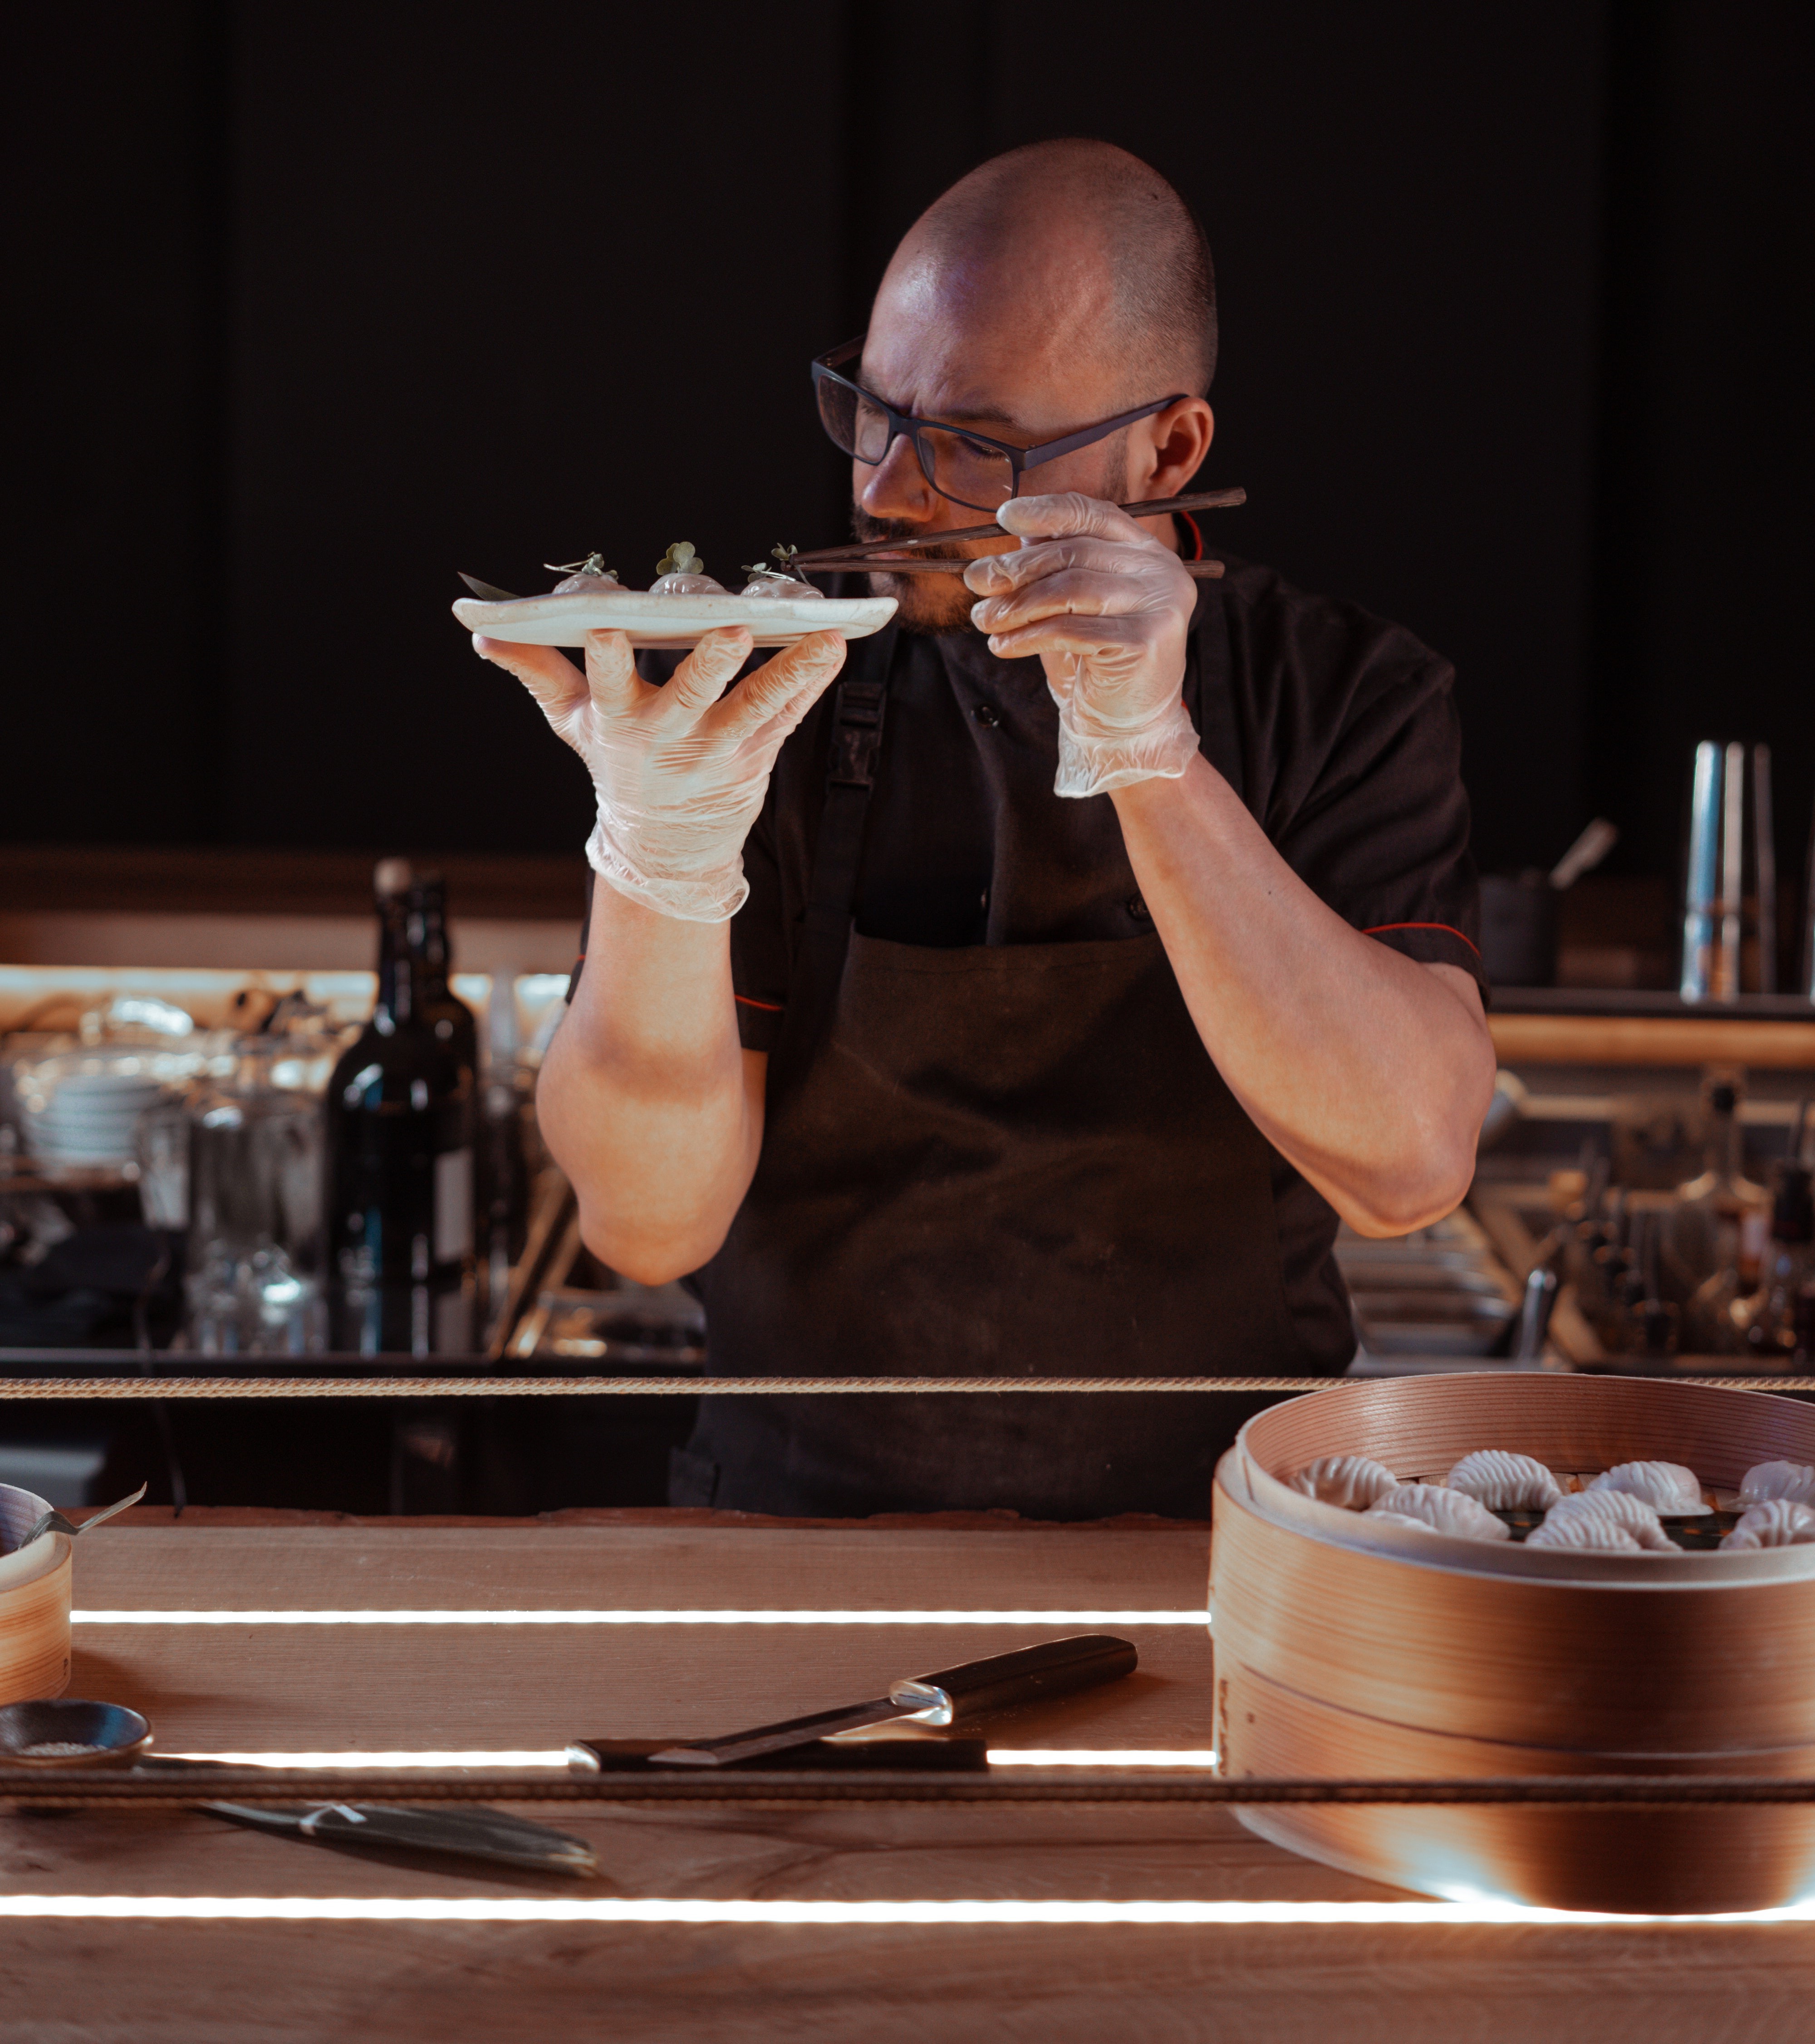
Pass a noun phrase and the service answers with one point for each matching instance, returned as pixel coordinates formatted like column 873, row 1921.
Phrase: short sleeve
column 1382, row 835
column 759, row 939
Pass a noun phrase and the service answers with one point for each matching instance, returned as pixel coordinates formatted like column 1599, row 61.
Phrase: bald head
column 1082, row 247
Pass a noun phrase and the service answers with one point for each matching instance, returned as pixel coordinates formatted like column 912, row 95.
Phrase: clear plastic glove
column 680, row 771
column 1108, row 611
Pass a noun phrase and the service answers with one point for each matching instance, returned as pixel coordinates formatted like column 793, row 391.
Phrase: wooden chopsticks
column 826, row 560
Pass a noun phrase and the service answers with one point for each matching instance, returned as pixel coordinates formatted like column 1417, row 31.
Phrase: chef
column 1028, row 991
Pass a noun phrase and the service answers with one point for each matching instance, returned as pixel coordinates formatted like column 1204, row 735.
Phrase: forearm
column 1369, row 1072
column 646, row 1100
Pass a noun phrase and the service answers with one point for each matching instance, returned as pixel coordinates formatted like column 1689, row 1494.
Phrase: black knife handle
column 1030, row 1674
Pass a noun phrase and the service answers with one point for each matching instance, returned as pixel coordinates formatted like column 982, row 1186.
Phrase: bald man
column 1034, row 1001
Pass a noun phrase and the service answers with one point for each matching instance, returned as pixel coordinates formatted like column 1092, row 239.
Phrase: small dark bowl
column 100, row 1732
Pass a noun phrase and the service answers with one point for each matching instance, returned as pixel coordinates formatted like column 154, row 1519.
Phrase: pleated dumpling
column 1664, row 1486
column 1585, row 1530
column 1351, row 1481
column 1610, row 1507
column 1777, row 1522
column 1400, row 1519
column 1451, row 1512
column 1504, row 1481
column 1793, row 1480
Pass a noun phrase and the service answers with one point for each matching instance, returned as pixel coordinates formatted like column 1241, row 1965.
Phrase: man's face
column 956, row 346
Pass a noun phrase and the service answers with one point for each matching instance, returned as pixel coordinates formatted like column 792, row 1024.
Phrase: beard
column 924, row 604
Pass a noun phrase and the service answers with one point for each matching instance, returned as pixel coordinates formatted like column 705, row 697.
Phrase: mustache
column 865, row 528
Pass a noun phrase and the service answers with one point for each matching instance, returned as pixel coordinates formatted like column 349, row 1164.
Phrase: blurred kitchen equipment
column 1518, row 911
column 254, row 1205
column 1596, row 841
column 1808, row 985
column 1504, row 1110
column 1440, row 1291
column 80, row 1109
column 1729, row 803
column 1518, row 928
column 1539, row 1300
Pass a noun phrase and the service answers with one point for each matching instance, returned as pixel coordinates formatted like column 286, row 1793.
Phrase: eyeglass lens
column 957, row 467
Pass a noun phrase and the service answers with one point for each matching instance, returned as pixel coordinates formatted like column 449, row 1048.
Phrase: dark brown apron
column 1006, row 1160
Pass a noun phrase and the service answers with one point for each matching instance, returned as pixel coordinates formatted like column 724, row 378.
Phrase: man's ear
column 1179, row 438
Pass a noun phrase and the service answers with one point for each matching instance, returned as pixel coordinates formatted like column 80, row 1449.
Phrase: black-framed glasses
column 965, row 467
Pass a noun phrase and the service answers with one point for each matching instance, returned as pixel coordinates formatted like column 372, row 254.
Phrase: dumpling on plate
column 1794, row 1480
column 588, row 578
column 777, row 582
column 1584, row 1531
column 1664, row 1486
column 1504, row 1481
column 681, row 572
column 1611, row 1507
column 1777, row 1522
column 1451, row 1512
column 1351, row 1481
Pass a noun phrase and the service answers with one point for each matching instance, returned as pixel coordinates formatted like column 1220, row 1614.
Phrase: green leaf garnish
column 680, row 559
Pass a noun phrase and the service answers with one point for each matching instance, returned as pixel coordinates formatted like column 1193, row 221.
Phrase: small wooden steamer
column 1346, row 1648
column 34, row 1602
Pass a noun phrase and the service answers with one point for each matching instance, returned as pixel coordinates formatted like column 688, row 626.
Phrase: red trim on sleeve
column 1197, row 537
column 776, row 1008
column 1380, row 930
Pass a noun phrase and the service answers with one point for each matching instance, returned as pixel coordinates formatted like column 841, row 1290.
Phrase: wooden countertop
column 465, row 1683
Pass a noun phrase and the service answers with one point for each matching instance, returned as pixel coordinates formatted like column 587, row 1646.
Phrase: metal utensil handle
column 1055, row 1668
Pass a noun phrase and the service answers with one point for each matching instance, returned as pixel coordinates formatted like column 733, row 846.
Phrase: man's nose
column 896, row 488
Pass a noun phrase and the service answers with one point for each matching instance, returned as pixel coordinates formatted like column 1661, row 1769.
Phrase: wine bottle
column 448, row 1015
column 399, row 1148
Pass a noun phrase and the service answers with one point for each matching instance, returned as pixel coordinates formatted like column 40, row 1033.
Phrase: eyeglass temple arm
column 1052, row 450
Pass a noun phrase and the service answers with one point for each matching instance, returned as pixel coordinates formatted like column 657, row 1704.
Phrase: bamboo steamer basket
column 34, row 1602
column 1350, row 1649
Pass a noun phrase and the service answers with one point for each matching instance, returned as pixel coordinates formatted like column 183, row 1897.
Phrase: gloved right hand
column 680, row 771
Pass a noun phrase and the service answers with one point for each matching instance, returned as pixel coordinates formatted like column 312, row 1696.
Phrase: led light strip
column 605, row 1910
column 1015, row 1756
column 677, row 1617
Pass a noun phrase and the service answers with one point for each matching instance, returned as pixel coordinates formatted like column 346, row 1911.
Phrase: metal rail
column 46, row 1788
column 148, row 1387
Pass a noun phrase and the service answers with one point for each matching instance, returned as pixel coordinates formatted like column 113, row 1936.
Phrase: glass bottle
column 452, row 1021
column 399, row 1115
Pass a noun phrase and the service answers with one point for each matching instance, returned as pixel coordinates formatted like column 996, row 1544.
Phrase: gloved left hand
column 1108, row 611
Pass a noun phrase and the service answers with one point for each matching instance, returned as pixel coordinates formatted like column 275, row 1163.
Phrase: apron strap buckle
column 857, row 734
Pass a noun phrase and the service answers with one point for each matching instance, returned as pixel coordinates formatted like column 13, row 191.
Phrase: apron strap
column 857, row 712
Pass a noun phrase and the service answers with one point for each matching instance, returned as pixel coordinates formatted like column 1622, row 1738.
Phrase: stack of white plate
column 86, row 1114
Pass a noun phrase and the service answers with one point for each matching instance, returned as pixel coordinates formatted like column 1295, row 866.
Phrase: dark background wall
column 324, row 303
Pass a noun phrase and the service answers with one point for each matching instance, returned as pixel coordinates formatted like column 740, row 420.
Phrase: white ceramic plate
column 671, row 621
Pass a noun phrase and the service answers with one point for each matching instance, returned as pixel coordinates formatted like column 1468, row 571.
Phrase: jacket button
column 1137, row 908
column 987, row 715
